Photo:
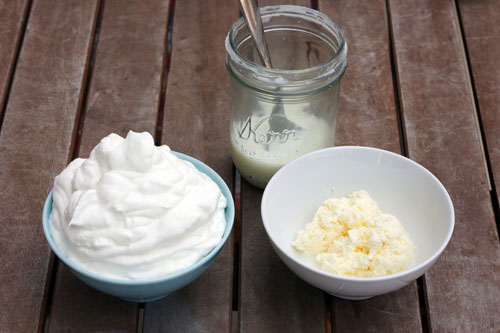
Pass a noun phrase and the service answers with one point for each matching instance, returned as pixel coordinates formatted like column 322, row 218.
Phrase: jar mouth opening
column 283, row 92
column 337, row 63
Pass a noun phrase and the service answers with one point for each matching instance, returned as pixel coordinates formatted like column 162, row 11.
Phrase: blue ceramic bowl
column 153, row 289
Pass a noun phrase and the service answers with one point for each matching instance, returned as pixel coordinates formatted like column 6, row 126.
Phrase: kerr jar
column 280, row 113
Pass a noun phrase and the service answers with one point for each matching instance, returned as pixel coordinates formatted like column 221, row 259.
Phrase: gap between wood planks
column 422, row 295
column 140, row 318
column 235, row 288
column 235, row 319
column 77, row 133
column 167, row 56
column 19, row 46
column 484, row 143
column 330, row 325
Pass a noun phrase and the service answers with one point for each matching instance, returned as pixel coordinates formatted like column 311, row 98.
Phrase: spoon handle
column 251, row 13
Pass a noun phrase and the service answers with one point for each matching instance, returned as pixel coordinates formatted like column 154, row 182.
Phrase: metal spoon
column 278, row 121
column 251, row 13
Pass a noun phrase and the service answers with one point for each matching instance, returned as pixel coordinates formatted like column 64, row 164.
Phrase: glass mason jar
column 280, row 113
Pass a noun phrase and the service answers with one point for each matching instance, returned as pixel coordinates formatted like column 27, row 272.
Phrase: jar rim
column 281, row 77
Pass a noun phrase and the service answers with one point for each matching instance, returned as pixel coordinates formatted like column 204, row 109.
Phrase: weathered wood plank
column 272, row 298
column 368, row 117
column 196, row 122
column 123, row 95
column 77, row 307
column 483, row 46
column 386, row 313
column 35, row 143
column 303, row 3
column 13, row 14
column 442, row 134
column 367, row 110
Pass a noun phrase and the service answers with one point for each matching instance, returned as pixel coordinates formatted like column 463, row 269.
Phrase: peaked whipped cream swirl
column 133, row 210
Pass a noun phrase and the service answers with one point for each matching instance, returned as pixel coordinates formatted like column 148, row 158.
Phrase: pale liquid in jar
column 258, row 152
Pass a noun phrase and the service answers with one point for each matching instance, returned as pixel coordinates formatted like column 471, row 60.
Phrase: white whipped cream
column 133, row 210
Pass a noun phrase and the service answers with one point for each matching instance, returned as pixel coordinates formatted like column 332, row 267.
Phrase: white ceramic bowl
column 400, row 187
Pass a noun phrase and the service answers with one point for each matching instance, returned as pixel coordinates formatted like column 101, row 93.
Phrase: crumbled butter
column 350, row 236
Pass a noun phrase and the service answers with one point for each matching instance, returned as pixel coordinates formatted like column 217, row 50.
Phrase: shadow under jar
column 280, row 113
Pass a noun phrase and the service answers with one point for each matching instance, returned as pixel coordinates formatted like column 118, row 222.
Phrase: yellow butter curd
column 350, row 236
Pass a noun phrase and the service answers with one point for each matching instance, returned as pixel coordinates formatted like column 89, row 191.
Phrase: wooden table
column 423, row 80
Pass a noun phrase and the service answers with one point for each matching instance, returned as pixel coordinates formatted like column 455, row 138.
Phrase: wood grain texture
column 272, row 298
column 123, row 95
column 76, row 307
column 483, row 46
column 125, row 89
column 368, row 117
column 196, row 122
column 35, row 144
column 367, row 109
column 13, row 14
column 394, row 312
column 303, row 3
column 442, row 134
